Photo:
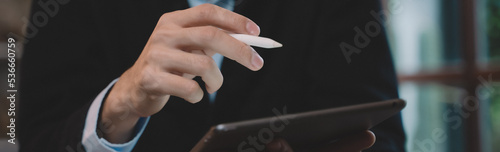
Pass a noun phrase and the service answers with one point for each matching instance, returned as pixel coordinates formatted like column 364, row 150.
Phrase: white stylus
column 262, row 42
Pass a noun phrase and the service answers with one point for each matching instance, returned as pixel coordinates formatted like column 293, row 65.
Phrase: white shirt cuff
column 92, row 142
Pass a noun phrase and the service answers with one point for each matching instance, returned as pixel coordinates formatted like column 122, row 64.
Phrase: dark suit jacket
column 88, row 43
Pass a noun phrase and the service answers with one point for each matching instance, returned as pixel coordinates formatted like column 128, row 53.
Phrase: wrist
column 118, row 119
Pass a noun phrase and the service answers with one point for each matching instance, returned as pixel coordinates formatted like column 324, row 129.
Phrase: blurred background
column 447, row 54
column 13, row 17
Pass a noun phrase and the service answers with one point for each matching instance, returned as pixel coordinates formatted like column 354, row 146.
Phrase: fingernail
column 257, row 61
column 253, row 28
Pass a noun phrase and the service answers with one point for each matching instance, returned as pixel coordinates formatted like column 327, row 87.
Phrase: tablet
column 299, row 129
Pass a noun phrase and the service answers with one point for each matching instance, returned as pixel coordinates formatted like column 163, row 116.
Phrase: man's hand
column 179, row 49
column 354, row 143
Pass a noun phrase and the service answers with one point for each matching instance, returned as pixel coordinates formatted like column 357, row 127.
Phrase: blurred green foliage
column 494, row 55
column 495, row 118
column 494, row 29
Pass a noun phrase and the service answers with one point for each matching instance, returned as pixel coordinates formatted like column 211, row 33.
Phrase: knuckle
column 205, row 63
column 243, row 52
column 190, row 89
column 164, row 31
column 202, row 64
column 148, row 82
column 163, row 34
column 153, row 55
column 239, row 21
column 208, row 33
column 167, row 16
column 164, row 18
column 206, row 10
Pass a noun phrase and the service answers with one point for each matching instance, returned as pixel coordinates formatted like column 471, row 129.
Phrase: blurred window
column 437, row 75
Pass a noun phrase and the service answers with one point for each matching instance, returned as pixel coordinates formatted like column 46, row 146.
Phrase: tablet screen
column 300, row 129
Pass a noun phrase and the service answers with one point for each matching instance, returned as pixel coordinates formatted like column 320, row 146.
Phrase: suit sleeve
column 63, row 69
column 356, row 67
column 93, row 143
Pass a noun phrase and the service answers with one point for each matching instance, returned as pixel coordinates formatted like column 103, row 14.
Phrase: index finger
column 208, row 14
column 209, row 38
